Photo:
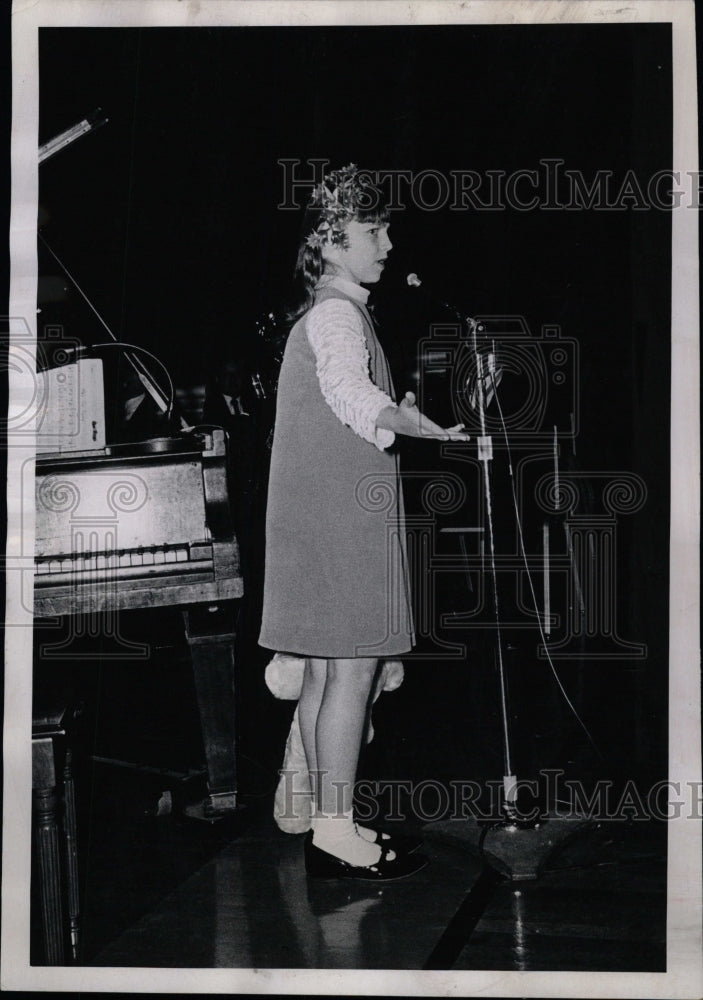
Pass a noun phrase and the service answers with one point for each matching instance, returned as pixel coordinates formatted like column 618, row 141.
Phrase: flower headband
column 338, row 197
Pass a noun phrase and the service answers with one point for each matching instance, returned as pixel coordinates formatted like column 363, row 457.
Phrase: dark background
column 167, row 217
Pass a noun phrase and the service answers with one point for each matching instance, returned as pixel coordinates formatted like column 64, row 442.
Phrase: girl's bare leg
column 334, row 753
column 340, row 725
column 309, row 703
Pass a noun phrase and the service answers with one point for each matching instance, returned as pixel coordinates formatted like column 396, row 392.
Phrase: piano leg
column 210, row 636
column 46, row 838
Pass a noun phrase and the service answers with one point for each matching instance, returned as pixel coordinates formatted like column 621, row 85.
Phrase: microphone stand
column 518, row 848
column 485, row 367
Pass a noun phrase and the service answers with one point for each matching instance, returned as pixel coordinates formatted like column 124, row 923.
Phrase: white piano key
column 170, row 555
column 159, row 557
column 54, row 566
column 148, row 558
column 102, row 561
column 181, row 555
column 124, row 559
column 136, row 559
column 42, row 567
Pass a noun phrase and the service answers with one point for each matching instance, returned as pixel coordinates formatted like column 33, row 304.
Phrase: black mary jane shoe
column 401, row 843
column 320, row 864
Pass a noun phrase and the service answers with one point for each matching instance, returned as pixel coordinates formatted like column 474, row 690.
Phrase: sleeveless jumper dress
column 336, row 575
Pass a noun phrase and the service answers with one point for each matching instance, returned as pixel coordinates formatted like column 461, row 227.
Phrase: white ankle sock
column 366, row 833
column 338, row 835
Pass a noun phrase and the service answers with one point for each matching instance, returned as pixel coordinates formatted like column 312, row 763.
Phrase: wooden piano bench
column 55, row 828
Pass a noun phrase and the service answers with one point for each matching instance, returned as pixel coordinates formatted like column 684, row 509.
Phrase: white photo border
column 684, row 977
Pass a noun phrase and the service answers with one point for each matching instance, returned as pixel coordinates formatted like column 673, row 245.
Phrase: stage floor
column 176, row 893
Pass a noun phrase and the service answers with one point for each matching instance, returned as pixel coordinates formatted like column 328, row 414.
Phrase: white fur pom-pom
column 284, row 676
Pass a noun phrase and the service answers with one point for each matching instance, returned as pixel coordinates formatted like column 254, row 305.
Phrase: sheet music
column 72, row 409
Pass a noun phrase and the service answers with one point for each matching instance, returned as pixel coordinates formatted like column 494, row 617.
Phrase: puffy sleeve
column 336, row 334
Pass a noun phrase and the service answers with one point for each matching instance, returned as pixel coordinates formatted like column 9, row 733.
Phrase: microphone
column 415, row 282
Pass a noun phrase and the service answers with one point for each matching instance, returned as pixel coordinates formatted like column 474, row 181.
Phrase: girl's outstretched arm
column 407, row 419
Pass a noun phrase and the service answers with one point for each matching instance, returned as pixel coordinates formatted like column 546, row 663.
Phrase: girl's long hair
column 309, row 265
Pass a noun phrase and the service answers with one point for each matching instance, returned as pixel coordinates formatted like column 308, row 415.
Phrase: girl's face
column 363, row 259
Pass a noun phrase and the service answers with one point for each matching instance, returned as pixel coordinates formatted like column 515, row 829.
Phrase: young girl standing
column 336, row 579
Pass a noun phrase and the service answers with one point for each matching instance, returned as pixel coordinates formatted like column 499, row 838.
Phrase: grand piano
column 121, row 527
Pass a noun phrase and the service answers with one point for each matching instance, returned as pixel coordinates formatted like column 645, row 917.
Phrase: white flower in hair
column 338, row 197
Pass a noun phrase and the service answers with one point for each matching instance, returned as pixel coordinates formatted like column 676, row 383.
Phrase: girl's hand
column 407, row 419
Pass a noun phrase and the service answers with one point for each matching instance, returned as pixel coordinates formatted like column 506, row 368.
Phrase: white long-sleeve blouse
column 336, row 334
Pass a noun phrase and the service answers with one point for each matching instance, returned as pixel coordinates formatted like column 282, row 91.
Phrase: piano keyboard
column 156, row 559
